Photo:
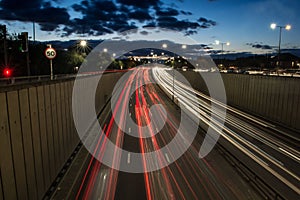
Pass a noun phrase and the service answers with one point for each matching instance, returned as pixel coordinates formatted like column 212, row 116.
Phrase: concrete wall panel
column 49, row 125
column 296, row 104
column 290, row 101
column 17, row 144
column 27, row 143
column 281, row 102
column 67, row 118
column 59, row 124
column 41, row 187
column 43, row 134
column 55, row 128
column 265, row 89
column 63, row 120
column 1, row 191
column 6, row 157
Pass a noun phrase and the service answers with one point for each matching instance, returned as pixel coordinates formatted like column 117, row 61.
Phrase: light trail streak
column 188, row 178
column 200, row 108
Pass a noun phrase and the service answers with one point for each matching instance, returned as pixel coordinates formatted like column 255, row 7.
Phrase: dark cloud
column 214, row 52
column 175, row 24
column 14, row 5
column 260, row 46
column 190, row 32
column 43, row 13
column 189, row 27
column 205, row 23
column 185, row 12
column 144, row 32
column 122, row 15
column 98, row 17
column 145, row 4
column 167, row 12
column 140, row 15
column 150, row 25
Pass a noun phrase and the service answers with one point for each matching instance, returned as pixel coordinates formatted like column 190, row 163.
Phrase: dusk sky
column 245, row 24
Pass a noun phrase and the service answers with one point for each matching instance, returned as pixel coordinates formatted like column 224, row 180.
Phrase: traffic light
column 24, row 41
column 7, row 72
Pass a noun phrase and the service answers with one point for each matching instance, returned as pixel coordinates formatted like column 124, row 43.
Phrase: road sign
column 50, row 53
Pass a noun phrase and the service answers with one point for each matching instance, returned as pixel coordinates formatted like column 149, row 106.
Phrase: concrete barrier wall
column 274, row 98
column 37, row 134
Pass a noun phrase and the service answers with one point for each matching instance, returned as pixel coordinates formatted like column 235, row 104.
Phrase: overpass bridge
column 41, row 151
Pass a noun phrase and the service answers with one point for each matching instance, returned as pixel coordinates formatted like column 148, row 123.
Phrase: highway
column 274, row 149
column 189, row 177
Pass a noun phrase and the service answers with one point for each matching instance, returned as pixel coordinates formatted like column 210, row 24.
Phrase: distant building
column 286, row 60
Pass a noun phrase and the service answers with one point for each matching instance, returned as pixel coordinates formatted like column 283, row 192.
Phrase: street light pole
column 279, row 43
column 222, row 45
column 286, row 27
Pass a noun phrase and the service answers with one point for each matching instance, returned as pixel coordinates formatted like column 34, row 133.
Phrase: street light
column 286, row 27
column 82, row 47
column 83, row 43
column 222, row 44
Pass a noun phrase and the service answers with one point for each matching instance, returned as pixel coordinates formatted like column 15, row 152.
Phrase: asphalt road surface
column 189, row 177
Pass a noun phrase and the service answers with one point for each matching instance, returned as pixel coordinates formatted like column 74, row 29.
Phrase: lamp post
column 222, row 45
column 286, row 27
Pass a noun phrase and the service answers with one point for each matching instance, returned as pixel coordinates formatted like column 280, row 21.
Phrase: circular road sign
column 50, row 53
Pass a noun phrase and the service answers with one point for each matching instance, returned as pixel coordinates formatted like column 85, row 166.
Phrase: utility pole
column 3, row 28
column 33, row 27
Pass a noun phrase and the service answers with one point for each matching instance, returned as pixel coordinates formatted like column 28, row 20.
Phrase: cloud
column 99, row 17
column 126, row 14
column 47, row 16
column 185, row 12
column 260, row 46
column 187, row 26
column 145, row 4
column 205, row 23
column 144, row 32
column 140, row 15
column 167, row 12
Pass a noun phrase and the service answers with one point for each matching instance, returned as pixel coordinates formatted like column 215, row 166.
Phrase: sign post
column 50, row 53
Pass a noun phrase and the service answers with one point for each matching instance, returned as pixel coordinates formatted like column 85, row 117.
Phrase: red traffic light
column 7, row 72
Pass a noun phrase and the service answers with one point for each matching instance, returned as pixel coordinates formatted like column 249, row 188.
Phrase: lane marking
column 128, row 158
column 167, row 157
column 129, row 130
